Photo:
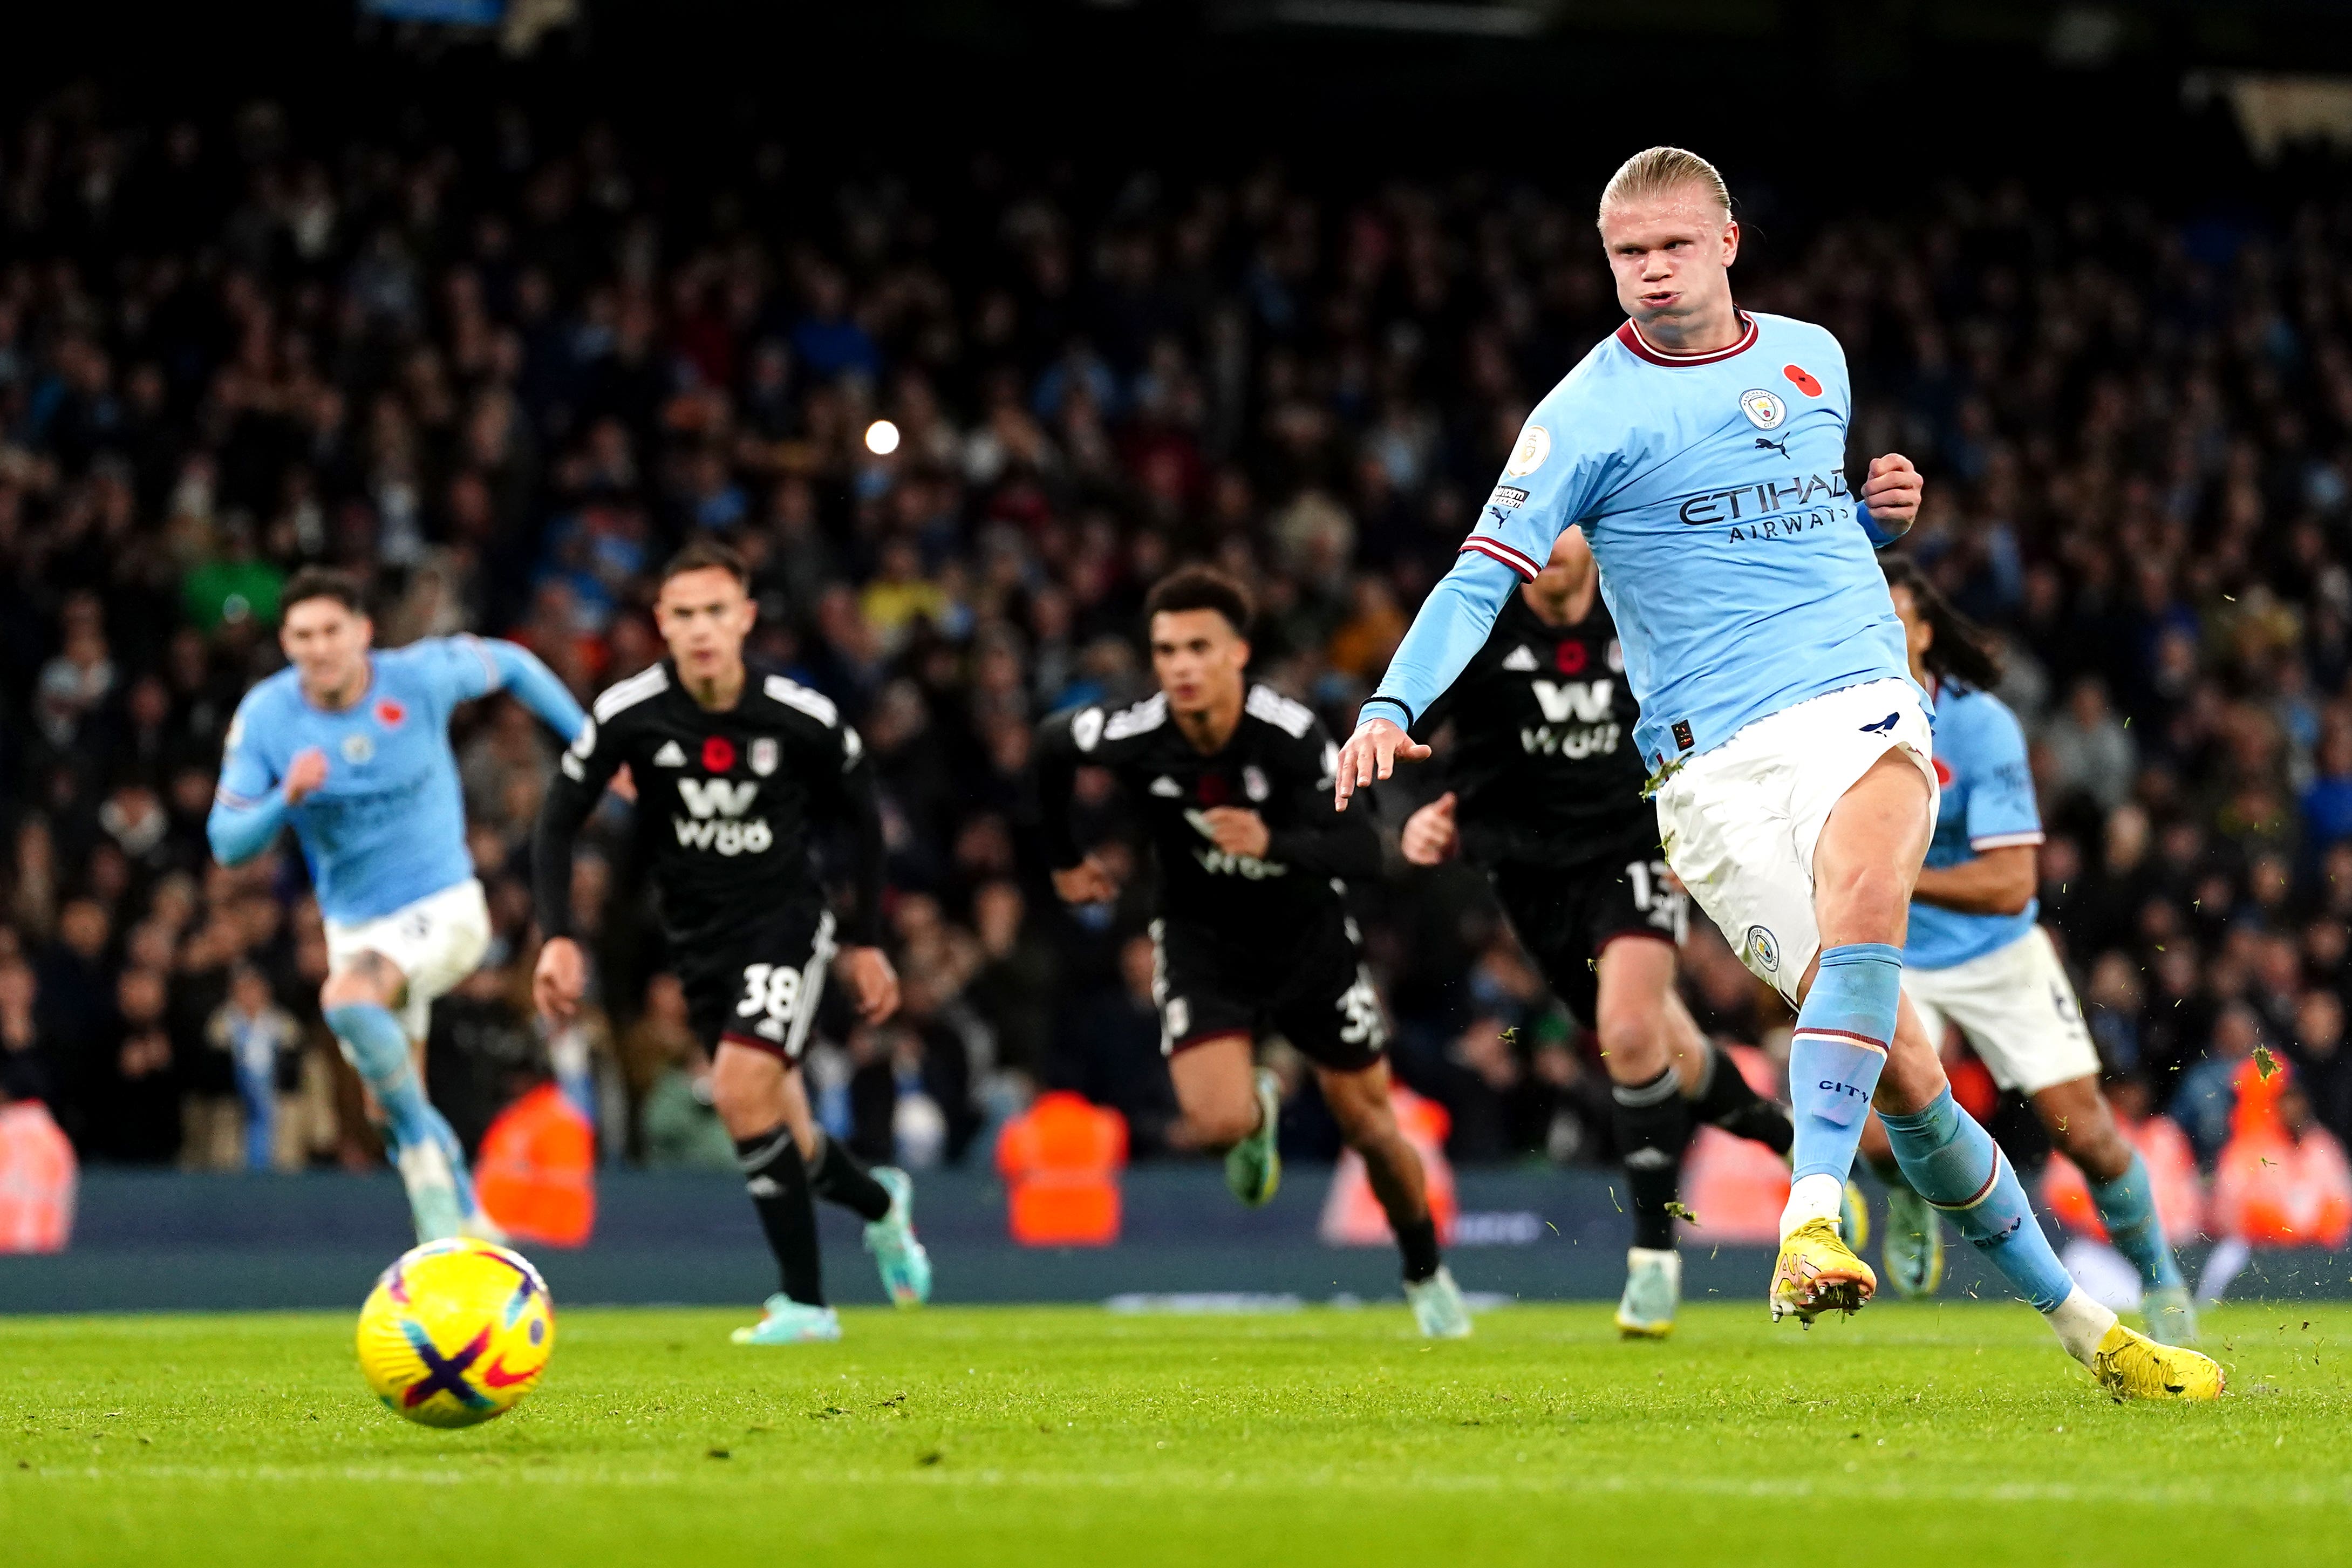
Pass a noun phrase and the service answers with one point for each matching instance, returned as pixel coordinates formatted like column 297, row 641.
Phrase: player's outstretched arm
column 1891, row 494
column 1449, row 629
column 860, row 805
column 535, row 686
column 249, row 808
column 1078, row 879
column 587, row 765
column 239, row 831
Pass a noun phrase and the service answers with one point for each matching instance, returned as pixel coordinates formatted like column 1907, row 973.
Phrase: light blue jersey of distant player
column 388, row 828
column 1737, row 562
column 1986, row 803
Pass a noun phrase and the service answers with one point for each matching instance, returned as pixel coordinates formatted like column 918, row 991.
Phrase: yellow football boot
column 1818, row 1273
column 2132, row 1366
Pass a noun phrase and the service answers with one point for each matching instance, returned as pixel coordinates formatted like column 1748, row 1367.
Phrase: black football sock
column 1653, row 1123
column 778, row 1184
column 1727, row 1100
column 1417, row 1239
column 835, row 1176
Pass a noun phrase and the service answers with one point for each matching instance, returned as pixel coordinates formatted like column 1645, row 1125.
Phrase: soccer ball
column 456, row 1333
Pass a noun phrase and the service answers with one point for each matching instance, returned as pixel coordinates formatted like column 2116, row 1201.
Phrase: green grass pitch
column 1911, row 1435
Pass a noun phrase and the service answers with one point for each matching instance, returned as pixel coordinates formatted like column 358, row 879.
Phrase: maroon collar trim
column 1631, row 336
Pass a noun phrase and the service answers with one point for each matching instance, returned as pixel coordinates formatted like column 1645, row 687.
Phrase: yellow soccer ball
column 456, row 1333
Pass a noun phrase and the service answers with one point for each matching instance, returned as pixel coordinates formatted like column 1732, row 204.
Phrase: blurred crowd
column 959, row 423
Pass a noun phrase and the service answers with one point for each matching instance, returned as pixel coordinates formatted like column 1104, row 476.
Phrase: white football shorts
column 2017, row 1010
column 436, row 942
column 1739, row 823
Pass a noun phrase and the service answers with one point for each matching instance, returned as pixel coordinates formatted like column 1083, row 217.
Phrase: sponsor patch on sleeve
column 1506, row 498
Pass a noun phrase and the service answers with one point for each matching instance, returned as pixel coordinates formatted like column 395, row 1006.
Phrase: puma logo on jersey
column 671, row 755
column 1884, row 726
column 1585, row 701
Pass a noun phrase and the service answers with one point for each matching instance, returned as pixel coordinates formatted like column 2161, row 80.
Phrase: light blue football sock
column 2128, row 1208
column 1838, row 1051
column 1953, row 1163
column 422, row 1145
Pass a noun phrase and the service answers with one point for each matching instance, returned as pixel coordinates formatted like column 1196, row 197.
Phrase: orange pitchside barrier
column 38, row 1179
column 1352, row 1217
column 2274, row 1186
column 1736, row 1187
column 1061, row 1159
column 537, row 1171
column 2171, row 1169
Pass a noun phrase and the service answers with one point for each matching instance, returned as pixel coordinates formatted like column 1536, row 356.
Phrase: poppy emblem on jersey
column 1254, row 781
column 1763, row 950
column 389, row 714
column 1569, row 659
column 358, row 749
column 718, row 754
column 763, row 755
column 1804, row 379
column 1943, row 774
column 1764, row 409
column 1210, row 789
column 1528, row 456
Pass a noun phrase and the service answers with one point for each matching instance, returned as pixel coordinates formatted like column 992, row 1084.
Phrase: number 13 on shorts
column 1659, row 896
column 770, row 992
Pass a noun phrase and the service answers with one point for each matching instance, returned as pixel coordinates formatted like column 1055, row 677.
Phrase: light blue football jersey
column 1713, row 489
column 1986, row 803
column 388, row 828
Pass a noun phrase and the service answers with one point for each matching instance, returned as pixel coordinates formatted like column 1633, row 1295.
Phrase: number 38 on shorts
column 771, row 995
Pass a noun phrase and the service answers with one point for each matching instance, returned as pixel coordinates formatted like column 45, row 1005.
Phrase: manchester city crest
column 1764, row 409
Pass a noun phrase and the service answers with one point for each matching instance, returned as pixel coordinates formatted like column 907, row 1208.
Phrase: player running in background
column 734, row 769
column 1703, row 450
column 352, row 747
column 1254, row 934
column 1544, row 794
column 1977, row 957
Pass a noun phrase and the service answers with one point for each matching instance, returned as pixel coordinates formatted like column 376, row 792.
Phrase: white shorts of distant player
column 1739, row 823
column 2015, row 1008
column 436, row 942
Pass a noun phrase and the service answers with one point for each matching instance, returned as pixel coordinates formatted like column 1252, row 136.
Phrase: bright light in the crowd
column 881, row 438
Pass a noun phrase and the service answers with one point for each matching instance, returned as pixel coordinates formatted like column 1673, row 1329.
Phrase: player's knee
column 1864, row 902
column 1632, row 1040
column 1365, row 1123
column 2095, row 1146
column 1223, row 1124
column 344, row 989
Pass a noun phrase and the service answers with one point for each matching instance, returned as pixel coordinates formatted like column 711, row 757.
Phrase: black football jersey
column 726, row 801
column 1543, row 761
column 1279, row 762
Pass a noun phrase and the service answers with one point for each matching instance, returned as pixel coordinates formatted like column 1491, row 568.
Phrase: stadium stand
column 501, row 369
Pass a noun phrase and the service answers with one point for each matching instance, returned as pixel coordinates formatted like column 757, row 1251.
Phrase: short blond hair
column 1659, row 170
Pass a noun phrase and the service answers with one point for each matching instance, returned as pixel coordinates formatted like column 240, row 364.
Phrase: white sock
column 1818, row 1196
column 1660, row 1257
column 2080, row 1324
